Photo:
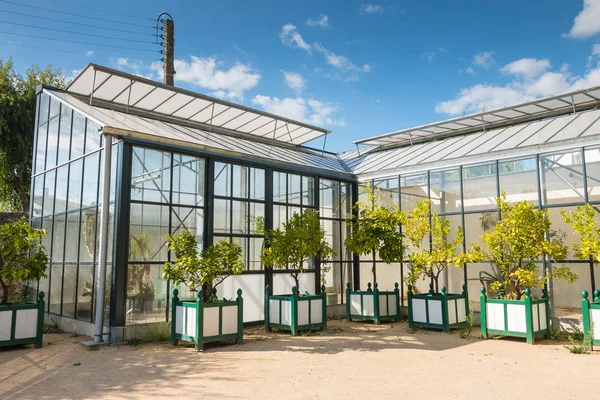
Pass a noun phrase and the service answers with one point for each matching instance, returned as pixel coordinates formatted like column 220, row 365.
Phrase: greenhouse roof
column 145, row 128
column 131, row 93
column 512, row 141
column 566, row 103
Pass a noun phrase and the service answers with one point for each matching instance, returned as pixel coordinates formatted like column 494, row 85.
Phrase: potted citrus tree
column 376, row 231
column 437, row 308
column 207, row 318
column 294, row 247
column 515, row 245
column 23, row 259
column 583, row 222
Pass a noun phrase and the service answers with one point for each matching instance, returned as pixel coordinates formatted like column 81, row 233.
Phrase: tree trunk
column 295, row 276
column 374, row 269
column 436, row 284
column 206, row 291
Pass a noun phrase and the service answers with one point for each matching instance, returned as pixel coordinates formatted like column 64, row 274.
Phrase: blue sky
column 357, row 68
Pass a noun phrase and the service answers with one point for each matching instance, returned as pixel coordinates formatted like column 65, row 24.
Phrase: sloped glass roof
column 552, row 106
column 132, row 92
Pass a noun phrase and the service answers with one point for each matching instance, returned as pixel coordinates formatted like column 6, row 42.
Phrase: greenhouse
column 121, row 161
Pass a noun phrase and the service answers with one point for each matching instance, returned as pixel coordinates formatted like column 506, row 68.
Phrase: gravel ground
column 349, row 360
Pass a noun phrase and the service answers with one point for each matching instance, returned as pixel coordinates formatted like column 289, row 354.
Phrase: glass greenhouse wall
column 465, row 195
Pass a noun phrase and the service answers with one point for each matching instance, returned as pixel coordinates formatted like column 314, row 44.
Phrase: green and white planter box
column 373, row 304
column 591, row 317
column 294, row 312
column 22, row 323
column 202, row 322
column 443, row 311
column 526, row 318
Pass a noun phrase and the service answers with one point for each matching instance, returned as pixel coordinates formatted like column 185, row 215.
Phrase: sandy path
column 348, row 361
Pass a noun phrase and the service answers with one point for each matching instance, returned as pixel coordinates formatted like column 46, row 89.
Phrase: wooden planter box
column 591, row 317
column 23, row 323
column 438, row 311
column 295, row 313
column 526, row 318
column 201, row 322
column 373, row 304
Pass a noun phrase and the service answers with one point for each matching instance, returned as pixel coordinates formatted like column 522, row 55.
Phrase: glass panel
column 188, row 180
column 49, row 193
column 445, row 191
column 388, row 188
column 40, row 159
column 64, row 139
column 56, row 271
column 562, row 178
column 88, row 240
column 479, row 187
column 413, row 188
column 329, row 198
column 72, row 239
column 477, row 224
column 240, row 220
column 69, row 290
column 308, row 191
column 78, row 135
column 567, row 296
column 279, row 216
column 345, row 229
column 85, row 287
column 222, row 179
column 146, row 294
column 54, row 108
column 243, row 242
column 149, row 226
column 257, row 210
column 332, row 235
column 257, row 184
column 75, row 171
column 62, row 179
column 518, row 179
column 279, row 187
column 52, row 150
column 151, row 175
column 90, row 180
column 255, row 249
column 222, row 216
column 240, row 181
column 294, row 190
column 592, row 170
column 191, row 219
column 44, row 105
column 38, row 195
column 346, row 200
column 47, row 239
column 92, row 137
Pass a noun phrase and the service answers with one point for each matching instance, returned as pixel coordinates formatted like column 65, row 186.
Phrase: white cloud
column 531, row 80
column 366, row 9
column 138, row 68
column 290, row 37
column 469, row 70
column 338, row 61
column 208, row 73
column 89, row 53
column 431, row 55
column 484, row 59
column 322, row 21
column 294, row 80
column 300, row 109
column 526, row 67
column 586, row 22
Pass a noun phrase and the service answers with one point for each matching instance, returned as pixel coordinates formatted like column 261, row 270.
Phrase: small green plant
column 468, row 328
column 297, row 245
column 579, row 343
column 23, row 258
column 206, row 269
column 52, row 327
column 134, row 342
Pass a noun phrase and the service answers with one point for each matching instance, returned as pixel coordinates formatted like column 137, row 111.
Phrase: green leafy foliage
column 297, row 245
column 429, row 261
column 17, row 119
column 207, row 268
column 584, row 225
column 522, row 236
column 376, row 230
column 22, row 257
